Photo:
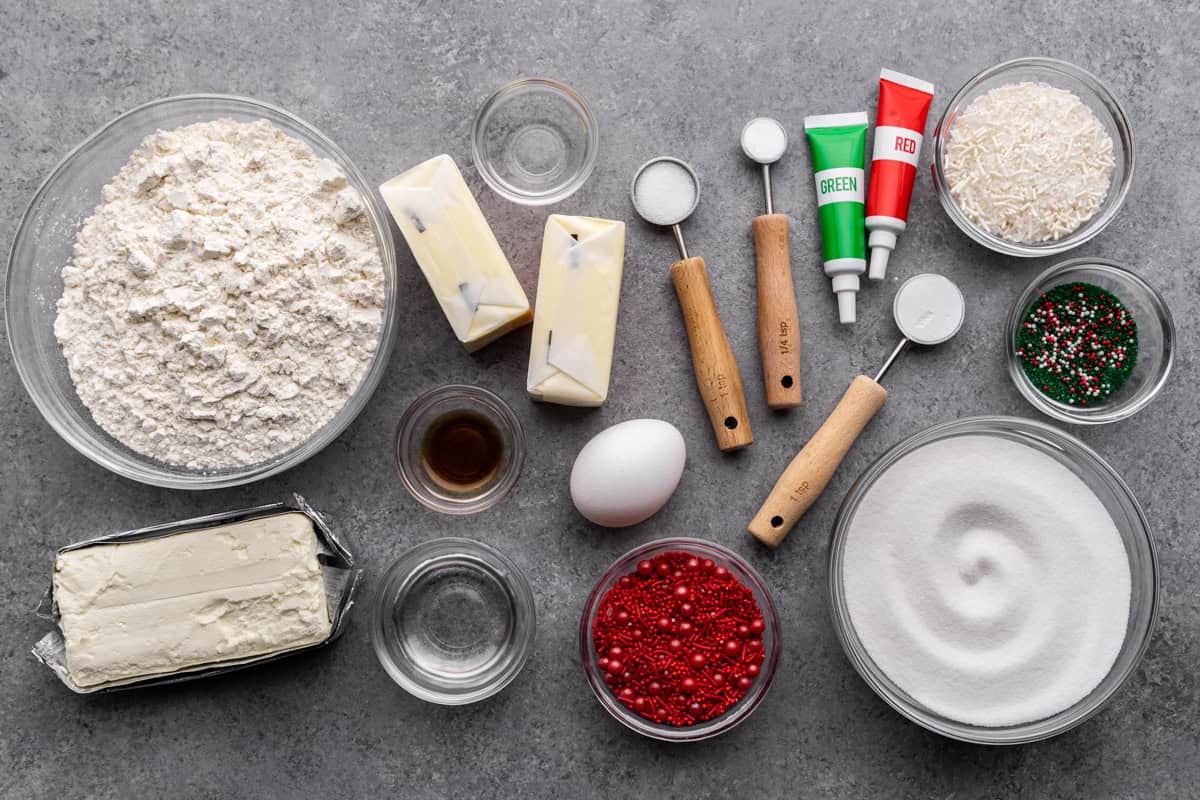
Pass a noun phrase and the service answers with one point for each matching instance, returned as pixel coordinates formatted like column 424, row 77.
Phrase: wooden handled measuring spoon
column 665, row 192
column 764, row 141
column 929, row 309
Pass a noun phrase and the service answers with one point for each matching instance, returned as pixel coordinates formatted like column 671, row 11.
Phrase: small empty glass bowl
column 627, row 564
column 1130, row 523
column 534, row 141
column 454, row 621
column 412, row 458
column 1061, row 75
column 1156, row 341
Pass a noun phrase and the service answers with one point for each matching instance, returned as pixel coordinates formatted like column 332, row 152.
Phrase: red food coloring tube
column 899, row 128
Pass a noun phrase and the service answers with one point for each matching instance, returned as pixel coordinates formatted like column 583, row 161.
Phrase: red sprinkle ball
column 679, row 639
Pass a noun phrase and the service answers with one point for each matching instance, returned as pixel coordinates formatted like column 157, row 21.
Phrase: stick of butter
column 575, row 328
column 180, row 601
column 457, row 251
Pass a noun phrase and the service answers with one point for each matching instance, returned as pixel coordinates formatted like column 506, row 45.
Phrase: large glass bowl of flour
column 993, row 580
column 43, row 246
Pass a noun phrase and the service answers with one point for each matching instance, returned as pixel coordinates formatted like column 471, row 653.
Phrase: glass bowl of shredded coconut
column 202, row 293
column 1033, row 157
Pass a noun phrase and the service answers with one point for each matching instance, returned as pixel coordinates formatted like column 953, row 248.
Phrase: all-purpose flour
column 225, row 298
column 987, row 581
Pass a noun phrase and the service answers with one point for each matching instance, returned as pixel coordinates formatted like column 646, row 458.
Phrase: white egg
column 628, row 472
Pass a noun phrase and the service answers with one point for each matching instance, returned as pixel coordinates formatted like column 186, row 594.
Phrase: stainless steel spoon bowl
column 665, row 191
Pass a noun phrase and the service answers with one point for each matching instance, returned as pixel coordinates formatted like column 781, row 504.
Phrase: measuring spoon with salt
column 764, row 141
column 665, row 192
column 929, row 309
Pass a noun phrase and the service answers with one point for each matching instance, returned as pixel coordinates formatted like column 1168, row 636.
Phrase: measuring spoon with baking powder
column 665, row 192
column 764, row 141
column 929, row 309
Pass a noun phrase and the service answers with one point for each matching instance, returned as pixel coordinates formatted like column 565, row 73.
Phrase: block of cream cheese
column 173, row 603
column 575, row 327
column 457, row 251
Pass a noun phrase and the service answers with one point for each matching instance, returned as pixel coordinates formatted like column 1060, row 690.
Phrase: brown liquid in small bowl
column 459, row 449
column 462, row 451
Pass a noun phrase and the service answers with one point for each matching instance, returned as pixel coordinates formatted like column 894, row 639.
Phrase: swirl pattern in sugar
column 987, row 581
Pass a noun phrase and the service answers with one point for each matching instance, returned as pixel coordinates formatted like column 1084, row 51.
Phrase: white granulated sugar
column 1028, row 162
column 764, row 140
column 665, row 192
column 225, row 298
column 987, row 581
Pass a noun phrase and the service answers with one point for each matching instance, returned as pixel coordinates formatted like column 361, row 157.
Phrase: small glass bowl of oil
column 454, row 621
column 459, row 449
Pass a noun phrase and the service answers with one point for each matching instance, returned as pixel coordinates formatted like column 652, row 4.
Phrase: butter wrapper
column 575, row 325
column 339, row 570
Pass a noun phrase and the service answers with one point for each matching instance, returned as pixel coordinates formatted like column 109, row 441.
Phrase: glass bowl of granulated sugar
column 993, row 580
column 1033, row 157
column 202, row 293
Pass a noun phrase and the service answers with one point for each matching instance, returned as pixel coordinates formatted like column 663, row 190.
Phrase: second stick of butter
column 575, row 316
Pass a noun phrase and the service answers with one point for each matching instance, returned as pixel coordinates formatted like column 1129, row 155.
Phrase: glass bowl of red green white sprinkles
column 679, row 639
column 1089, row 342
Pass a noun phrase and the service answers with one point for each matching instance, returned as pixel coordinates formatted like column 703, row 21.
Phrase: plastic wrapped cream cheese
column 575, row 327
column 173, row 603
column 457, row 251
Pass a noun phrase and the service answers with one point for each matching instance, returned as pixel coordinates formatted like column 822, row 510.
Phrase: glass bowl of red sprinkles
column 680, row 639
column 1089, row 342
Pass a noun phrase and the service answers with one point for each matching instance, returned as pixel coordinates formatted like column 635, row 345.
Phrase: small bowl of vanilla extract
column 459, row 449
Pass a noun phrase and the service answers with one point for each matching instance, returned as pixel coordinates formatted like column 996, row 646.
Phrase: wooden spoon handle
column 716, row 370
column 778, row 322
column 809, row 473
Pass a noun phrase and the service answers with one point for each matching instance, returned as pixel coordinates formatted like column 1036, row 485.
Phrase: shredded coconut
column 1028, row 162
column 224, row 299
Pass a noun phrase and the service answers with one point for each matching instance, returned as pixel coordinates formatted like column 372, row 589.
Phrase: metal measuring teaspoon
column 665, row 191
column 929, row 309
column 764, row 141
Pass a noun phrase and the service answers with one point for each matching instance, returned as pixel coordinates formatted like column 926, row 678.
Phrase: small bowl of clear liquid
column 534, row 141
column 454, row 621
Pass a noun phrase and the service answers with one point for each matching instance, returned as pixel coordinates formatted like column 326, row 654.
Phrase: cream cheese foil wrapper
column 338, row 568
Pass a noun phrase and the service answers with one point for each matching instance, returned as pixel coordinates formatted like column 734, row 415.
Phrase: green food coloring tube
column 839, row 151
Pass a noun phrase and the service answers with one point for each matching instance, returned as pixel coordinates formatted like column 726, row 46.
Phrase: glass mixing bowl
column 43, row 246
column 1127, row 515
column 1156, row 341
column 721, row 556
column 1061, row 75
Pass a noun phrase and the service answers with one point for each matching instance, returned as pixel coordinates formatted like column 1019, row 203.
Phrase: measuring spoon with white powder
column 764, row 141
column 665, row 192
column 929, row 309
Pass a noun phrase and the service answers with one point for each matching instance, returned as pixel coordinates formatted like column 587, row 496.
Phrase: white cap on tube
column 846, row 307
column 882, row 243
column 846, row 288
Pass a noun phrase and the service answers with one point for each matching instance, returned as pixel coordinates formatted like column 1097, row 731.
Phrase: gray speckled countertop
column 395, row 82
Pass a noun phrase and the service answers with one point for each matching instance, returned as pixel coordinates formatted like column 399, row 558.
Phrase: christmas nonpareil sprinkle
column 679, row 639
column 1078, row 344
